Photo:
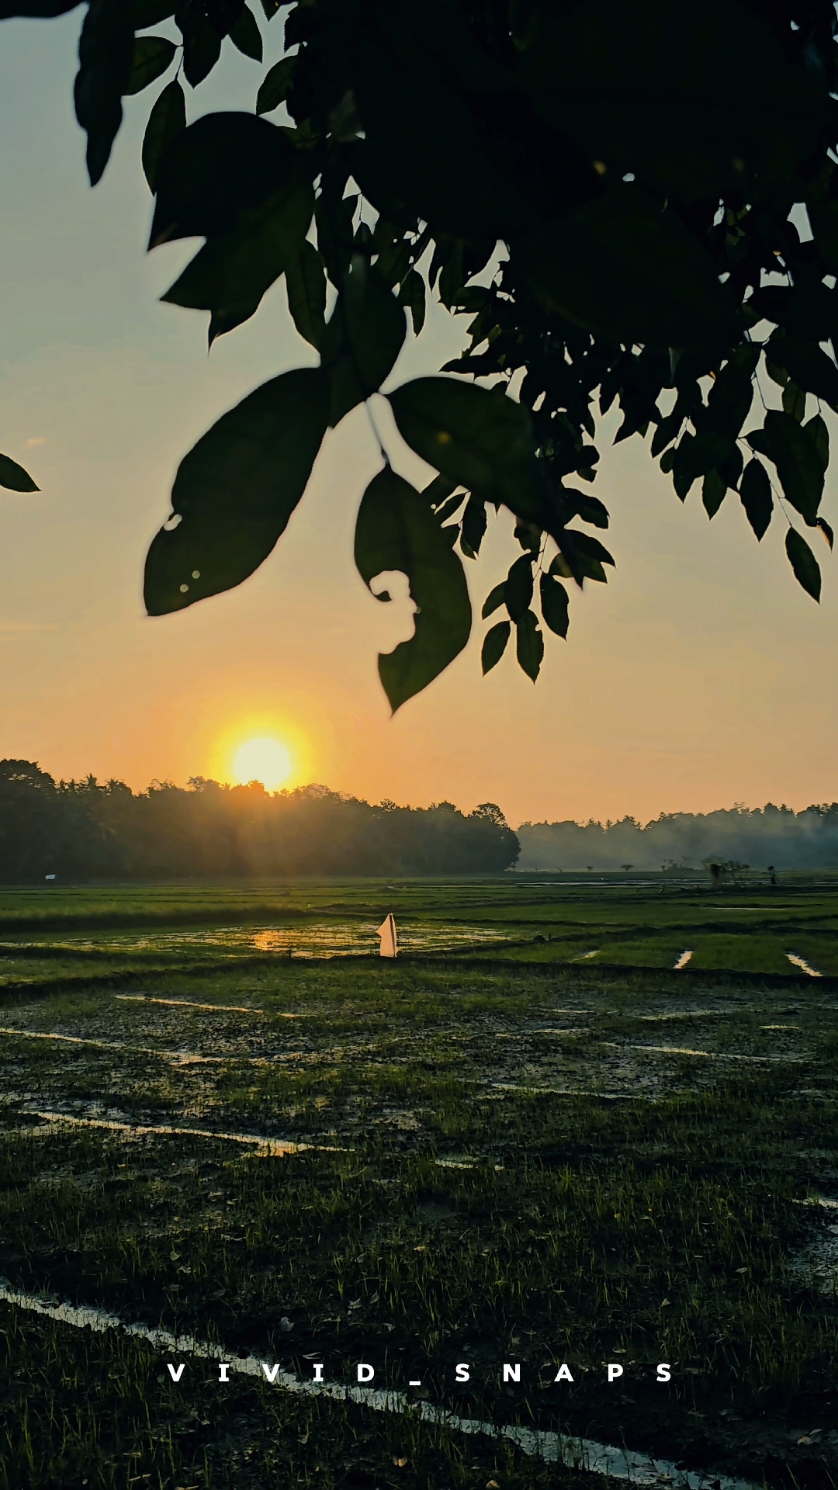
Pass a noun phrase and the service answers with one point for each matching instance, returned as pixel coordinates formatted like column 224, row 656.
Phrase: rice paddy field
column 581, row 1124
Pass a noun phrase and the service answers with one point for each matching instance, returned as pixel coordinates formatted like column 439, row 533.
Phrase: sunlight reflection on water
column 316, row 939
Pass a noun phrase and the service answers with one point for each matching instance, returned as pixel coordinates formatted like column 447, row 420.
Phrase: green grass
column 515, row 1157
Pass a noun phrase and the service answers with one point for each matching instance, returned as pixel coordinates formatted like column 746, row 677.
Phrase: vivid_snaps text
column 365, row 1373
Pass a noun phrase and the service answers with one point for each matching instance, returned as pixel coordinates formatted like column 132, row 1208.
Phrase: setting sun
column 263, row 759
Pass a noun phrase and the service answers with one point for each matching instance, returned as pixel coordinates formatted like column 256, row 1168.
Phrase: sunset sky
column 701, row 676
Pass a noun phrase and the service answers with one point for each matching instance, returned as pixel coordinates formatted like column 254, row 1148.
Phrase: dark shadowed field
column 529, row 1141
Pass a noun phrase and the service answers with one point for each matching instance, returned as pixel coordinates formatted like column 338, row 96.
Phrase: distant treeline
column 737, row 836
column 78, row 830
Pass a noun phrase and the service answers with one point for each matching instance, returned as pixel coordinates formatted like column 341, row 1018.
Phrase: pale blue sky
column 700, row 676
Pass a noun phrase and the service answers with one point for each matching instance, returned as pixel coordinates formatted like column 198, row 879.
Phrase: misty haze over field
column 756, row 837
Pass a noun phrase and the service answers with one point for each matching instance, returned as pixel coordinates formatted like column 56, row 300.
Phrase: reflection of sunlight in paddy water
column 314, row 939
column 804, row 966
column 343, row 941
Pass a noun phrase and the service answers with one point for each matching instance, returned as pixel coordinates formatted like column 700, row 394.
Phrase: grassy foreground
column 505, row 1153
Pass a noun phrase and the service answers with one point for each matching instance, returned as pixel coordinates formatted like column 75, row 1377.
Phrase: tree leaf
column 713, row 493
column 363, row 338
column 40, row 9
column 827, row 532
column 529, row 644
column 808, row 310
column 694, row 456
column 477, row 437
column 229, row 275
column 13, row 477
column 398, row 529
column 221, row 14
column 221, row 165
column 560, row 566
column 305, row 282
column 803, row 562
column 494, row 598
column 152, row 55
column 794, row 401
column 554, row 604
column 473, row 527
column 807, row 365
column 823, row 213
column 273, row 89
column 167, row 119
column 730, row 398
column 793, row 449
column 585, row 555
column 494, row 645
column 452, row 276
column 149, row 13
column 334, row 215
column 819, row 434
column 106, row 53
column 246, row 36
column 529, row 536
column 519, row 587
column 201, row 43
column 412, row 295
column 756, row 497
column 236, row 490
column 630, row 272
column 590, row 509
column 667, row 431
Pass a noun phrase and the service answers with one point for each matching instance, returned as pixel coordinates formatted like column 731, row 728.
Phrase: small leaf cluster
column 636, row 207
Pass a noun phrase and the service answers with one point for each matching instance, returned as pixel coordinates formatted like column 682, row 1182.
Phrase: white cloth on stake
column 389, row 940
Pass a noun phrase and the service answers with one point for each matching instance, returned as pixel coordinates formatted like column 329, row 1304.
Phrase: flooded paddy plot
column 499, row 1155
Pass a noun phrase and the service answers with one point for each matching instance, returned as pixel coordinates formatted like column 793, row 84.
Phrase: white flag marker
column 389, row 941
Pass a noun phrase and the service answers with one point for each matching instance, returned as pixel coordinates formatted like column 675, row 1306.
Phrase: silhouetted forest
column 84, row 830
column 741, row 836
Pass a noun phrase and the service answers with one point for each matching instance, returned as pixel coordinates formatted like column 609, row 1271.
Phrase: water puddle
column 816, row 1265
column 683, row 1014
column 146, row 998
column 556, row 1448
column 563, row 1029
column 682, row 960
column 463, row 1164
column 312, row 939
column 803, row 965
column 567, row 1091
column 275, row 1148
column 180, row 1057
column 272, row 1147
column 709, row 1055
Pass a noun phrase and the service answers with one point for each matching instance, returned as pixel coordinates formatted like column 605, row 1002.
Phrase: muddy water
column 310, row 939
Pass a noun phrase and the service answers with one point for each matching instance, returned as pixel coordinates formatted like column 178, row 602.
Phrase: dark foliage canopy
column 92, row 830
column 635, row 205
